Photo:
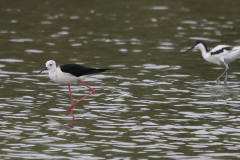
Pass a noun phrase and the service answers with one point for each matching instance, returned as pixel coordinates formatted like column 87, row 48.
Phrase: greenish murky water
column 155, row 103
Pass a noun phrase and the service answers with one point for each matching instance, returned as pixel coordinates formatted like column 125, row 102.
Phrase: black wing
column 78, row 70
column 228, row 48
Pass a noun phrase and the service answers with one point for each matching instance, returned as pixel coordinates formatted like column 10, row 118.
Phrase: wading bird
column 221, row 55
column 69, row 74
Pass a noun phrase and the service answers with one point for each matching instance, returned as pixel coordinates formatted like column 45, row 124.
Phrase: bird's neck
column 203, row 49
column 52, row 71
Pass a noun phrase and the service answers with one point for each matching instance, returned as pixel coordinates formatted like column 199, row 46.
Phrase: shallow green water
column 155, row 103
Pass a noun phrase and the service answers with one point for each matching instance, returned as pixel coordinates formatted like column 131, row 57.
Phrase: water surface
column 155, row 103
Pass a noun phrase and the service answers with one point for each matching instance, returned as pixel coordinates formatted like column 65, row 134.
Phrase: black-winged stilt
column 69, row 74
column 221, row 55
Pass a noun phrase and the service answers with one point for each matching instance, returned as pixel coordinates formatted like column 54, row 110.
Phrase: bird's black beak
column 42, row 70
column 188, row 49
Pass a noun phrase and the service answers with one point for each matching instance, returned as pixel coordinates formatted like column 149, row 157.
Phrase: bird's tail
column 95, row 70
column 103, row 70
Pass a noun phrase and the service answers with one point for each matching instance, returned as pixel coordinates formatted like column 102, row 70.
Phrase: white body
column 57, row 76
column 226, row 56
column 60, row 77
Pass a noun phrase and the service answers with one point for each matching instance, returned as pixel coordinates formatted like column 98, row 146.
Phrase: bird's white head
column 50, row 65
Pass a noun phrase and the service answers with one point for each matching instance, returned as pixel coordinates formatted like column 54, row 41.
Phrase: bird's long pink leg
column 70, row 94
column 71, row 107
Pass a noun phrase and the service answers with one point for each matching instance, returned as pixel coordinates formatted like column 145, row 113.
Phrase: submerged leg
column 225, row 80
column 70, row 109
column 70, row 94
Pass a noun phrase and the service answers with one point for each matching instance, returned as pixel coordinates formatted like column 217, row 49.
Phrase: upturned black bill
column 188, row 50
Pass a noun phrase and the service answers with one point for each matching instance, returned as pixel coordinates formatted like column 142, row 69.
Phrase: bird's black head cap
column 201, row 42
